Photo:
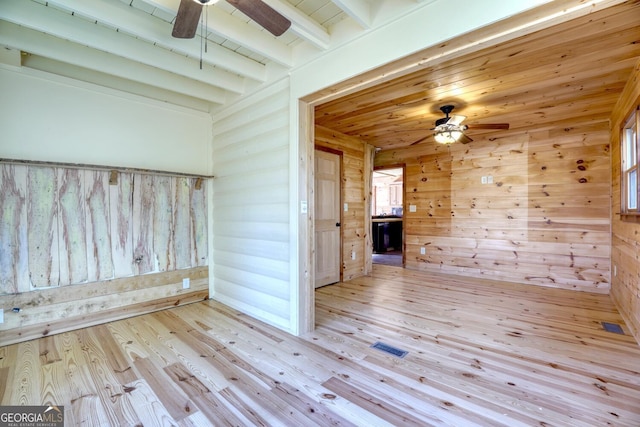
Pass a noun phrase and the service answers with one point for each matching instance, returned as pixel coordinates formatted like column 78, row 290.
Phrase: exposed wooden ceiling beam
column 65, row 26
column 358, row 10
column 301, row 24
column 41, row 44
column 137, row 23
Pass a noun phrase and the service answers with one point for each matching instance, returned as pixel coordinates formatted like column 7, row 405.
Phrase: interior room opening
column 387, row 209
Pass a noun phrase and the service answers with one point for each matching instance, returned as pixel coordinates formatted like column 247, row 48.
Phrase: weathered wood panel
column 121, row 224
column 14, row 269
column 42, row 227
column 69, row 226
column 182, row 223
column 625, row 254
column 544, row 220
column 163, row 247
column 143, row 203
column 72, row 227
column 99, row 257
column 199, row 224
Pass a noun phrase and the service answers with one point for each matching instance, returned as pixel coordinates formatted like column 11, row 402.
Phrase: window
column 629, row 165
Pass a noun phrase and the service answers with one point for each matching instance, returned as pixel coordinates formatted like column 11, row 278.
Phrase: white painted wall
column 251, row 251
column 49, row 118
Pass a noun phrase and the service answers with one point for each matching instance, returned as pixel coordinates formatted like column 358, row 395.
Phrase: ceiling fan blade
column 456, row 120
column 420, row 140
column 464, row 139
column 186, row 23
column 504, row 126
column 263, row 14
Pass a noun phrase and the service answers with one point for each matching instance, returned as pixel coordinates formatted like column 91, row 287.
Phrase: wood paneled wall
column 74, row 241
column 356, row 221
column 625, row 254
column 544, row 220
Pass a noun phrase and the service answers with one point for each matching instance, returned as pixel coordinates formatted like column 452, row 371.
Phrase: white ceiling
column 127, row 44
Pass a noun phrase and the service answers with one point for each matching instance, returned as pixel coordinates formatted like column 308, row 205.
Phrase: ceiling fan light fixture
column 447, row 136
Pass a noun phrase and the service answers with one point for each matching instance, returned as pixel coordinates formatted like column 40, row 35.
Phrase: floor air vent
column 612, row 327
column 390, row 349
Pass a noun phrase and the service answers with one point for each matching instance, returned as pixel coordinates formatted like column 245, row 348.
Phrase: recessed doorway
column 387, row 209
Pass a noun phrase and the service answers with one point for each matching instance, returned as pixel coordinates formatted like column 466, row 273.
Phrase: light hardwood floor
column 480, row 353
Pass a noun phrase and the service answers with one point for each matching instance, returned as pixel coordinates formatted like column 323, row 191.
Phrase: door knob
column 337, row 224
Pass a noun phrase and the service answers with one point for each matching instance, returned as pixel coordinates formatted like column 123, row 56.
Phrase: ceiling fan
column 189, row 11
column 449, row 129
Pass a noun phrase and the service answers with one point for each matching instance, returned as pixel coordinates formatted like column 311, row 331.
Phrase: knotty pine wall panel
column 543, row 221
column 625, row 254
column 81, row 229
column 353, row 229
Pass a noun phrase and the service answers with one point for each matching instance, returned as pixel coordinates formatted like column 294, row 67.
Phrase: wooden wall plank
column 199, row 225
column 99, row 256
column 14, row 270
column 182, row 223
column 72, row 227
column 163, row 244
column 121, row 224
column 42, row 227
column 143, row 253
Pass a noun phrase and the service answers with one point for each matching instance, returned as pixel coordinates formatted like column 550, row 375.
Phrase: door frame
column 402, row 166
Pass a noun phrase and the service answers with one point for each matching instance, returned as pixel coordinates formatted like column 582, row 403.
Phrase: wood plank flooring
column 481, row 353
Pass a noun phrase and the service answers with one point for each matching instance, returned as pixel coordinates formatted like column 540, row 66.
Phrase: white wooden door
column 327, row 218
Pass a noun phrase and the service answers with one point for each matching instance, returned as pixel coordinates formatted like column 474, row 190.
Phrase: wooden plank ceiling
column 573, row 70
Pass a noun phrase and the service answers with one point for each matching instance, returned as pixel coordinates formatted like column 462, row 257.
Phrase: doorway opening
column 387, row 209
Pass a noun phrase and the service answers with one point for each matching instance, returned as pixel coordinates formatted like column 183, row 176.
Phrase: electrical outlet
column 353, row 255
column 423, row 251
column 186, row 283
